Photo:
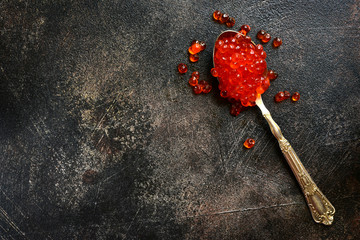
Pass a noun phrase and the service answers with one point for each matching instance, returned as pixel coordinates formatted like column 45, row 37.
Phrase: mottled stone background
column 101, row 138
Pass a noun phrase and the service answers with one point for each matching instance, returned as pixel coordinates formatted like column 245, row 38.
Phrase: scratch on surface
column 247, row 209
column 107, row 111
column 16, row 206
column 9, row 221
column 132, row 221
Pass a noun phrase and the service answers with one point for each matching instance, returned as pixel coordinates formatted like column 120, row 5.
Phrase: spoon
column 320, row 207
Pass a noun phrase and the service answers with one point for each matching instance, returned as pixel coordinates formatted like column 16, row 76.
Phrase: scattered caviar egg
column 286, row 95
column 224, row 17
column 182, row 68
column 241, row 71
column 224, row 94
column 244, row 29
column 277, row 42
column 295, row 97
column 259, row 48
column 206, row 87
column 194, row 57
column 190, row 50
column 216, row 15
column 193, row 80
column 195, row 48
column 202, row 84
column 272, row 75
column 280, row 96
column 214, row 72
column 249, row 143
column 195, row 74
column 202, row 45
column 195, row 41
column 236, row 108
column 197, row 89
column 260, row 35
column 230, row 22
column 266, row 38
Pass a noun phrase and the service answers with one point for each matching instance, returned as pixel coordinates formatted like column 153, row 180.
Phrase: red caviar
column 272, row 75
column 202, row 45
column 205, row 86
column 214, row 73
column 242, row 70
column 266, row 38
column 182, row 68
column 236, row 108
column 277, row 42
column 224, row 18
column 249, row 143
column 230, row 22
column 195, row 48
column 194, row 57
column 193, row 81
column 244, row 29
column 196, row 74
column 197, row 89
column 260, row 35
column 286, row 95
column 280, row 96
column 216, row 15
column 295, row 97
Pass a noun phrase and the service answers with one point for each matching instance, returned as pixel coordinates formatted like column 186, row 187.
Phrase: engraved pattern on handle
column 321, row 209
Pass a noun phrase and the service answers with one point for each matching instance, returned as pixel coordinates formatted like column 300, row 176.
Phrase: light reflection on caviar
column 249, row 143
column 277, row 42
column 295, row 97
column 194, row 57
column 241, row 69
column 216, row 15
column 182, row 68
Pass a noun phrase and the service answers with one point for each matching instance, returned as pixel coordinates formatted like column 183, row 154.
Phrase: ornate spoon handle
column 321, row 209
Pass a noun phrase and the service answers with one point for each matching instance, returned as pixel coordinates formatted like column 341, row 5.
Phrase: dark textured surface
column 101, row 138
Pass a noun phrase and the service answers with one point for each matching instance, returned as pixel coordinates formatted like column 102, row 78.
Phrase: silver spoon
column 321, row 209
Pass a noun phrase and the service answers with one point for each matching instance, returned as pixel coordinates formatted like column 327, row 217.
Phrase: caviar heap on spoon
column 242, row 73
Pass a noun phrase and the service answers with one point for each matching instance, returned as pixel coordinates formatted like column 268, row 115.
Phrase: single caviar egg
column 193, row 81
column 224, row 17
column 216, row 15
column 207, row 87
column 224, row 94
column 195, row 41
column 286, row 95
column 214, row 72
column 244, row 29
column 182, row 68
column 295, row 97
column 195, row 48
column 280, row 96
column 230, row 22
column 249, row 143
column 197, row 89
column 202, row 45
column 266, row 38
column 272, row 75
column 260, row 35
column 194, row 57
column 195, row 74
column 277, row 42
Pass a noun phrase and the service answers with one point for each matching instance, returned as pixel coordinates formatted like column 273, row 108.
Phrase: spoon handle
column 321, row 209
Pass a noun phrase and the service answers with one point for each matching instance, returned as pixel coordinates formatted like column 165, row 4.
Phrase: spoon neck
column 261, row 105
